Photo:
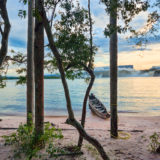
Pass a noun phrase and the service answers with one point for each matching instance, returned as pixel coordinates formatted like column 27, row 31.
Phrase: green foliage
column 53, row 150
column 22, row 13
column 26, row 143
column 23, row 1
column 2, row 82
column 154, row 142
column 150, row 31
column 72, row 39
column 21, row 70
column 19, row 59
column 21, row 80
column 3, row 73
column 126, row 11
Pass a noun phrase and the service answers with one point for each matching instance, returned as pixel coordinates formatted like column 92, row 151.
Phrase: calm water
column 136, row 94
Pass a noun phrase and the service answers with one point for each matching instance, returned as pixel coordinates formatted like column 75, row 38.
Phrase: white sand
column 135, row 148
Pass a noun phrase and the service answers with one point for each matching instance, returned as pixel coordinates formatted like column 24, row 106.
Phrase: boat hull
column 104, row 116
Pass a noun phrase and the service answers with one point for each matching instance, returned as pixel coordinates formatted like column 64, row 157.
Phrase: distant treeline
column 45, row 77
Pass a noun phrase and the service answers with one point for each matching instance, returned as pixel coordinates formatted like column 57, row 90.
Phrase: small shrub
column 25, row 141
column 154, row 142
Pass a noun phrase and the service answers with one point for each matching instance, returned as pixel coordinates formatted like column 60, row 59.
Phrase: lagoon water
column 135, row 94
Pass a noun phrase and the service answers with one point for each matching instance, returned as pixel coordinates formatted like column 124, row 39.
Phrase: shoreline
column 89, row 113
column 92, row 121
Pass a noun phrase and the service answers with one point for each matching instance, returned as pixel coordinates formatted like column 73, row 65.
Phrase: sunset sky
column 127, row 55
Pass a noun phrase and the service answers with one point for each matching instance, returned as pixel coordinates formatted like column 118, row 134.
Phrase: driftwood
column 7, row 128
column 67, row 154
column 128, row 130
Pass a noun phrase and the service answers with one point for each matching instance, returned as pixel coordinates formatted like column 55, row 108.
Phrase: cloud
column 142, row 59
column 140, row 20
column 19, row 29
column 18, row 35
column 127, row 53
column 100, row 21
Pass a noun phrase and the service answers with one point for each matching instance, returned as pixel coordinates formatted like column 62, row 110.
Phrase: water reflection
column 140, row 94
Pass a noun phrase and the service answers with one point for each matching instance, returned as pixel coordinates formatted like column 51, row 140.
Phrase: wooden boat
column 97, row 107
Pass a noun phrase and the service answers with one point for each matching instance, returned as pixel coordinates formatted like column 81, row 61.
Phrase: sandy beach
column 135, row 148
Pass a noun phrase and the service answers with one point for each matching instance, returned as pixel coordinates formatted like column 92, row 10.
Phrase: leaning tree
column 73, row 38
column 89, row 69
column 59, row 61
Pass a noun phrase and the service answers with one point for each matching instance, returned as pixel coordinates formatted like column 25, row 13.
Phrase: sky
column 127, row 53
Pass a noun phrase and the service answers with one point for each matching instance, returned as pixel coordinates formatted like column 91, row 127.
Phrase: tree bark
column 5, row 32
column 113, row 69
column 71, row 120
column 39, row 73
column 30, row 63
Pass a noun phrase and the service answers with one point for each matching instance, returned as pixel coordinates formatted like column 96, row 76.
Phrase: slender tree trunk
column 91, row 73
column 39, row 73
column 90, row 34
column 5, row 32
column 113, row 69
column 71, row 120
column 83, row 117
column 30, row 64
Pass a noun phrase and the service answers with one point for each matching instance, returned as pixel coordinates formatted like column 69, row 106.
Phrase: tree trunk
column 5, row 32
column 91, row 73
column 83, row 118
column 30, row 64
column 90, row 34
column 71, row 120
column 113, row 69
column 39, row 73
column 90, row 139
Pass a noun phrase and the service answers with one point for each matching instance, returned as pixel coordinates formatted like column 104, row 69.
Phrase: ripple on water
column 135, row 94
